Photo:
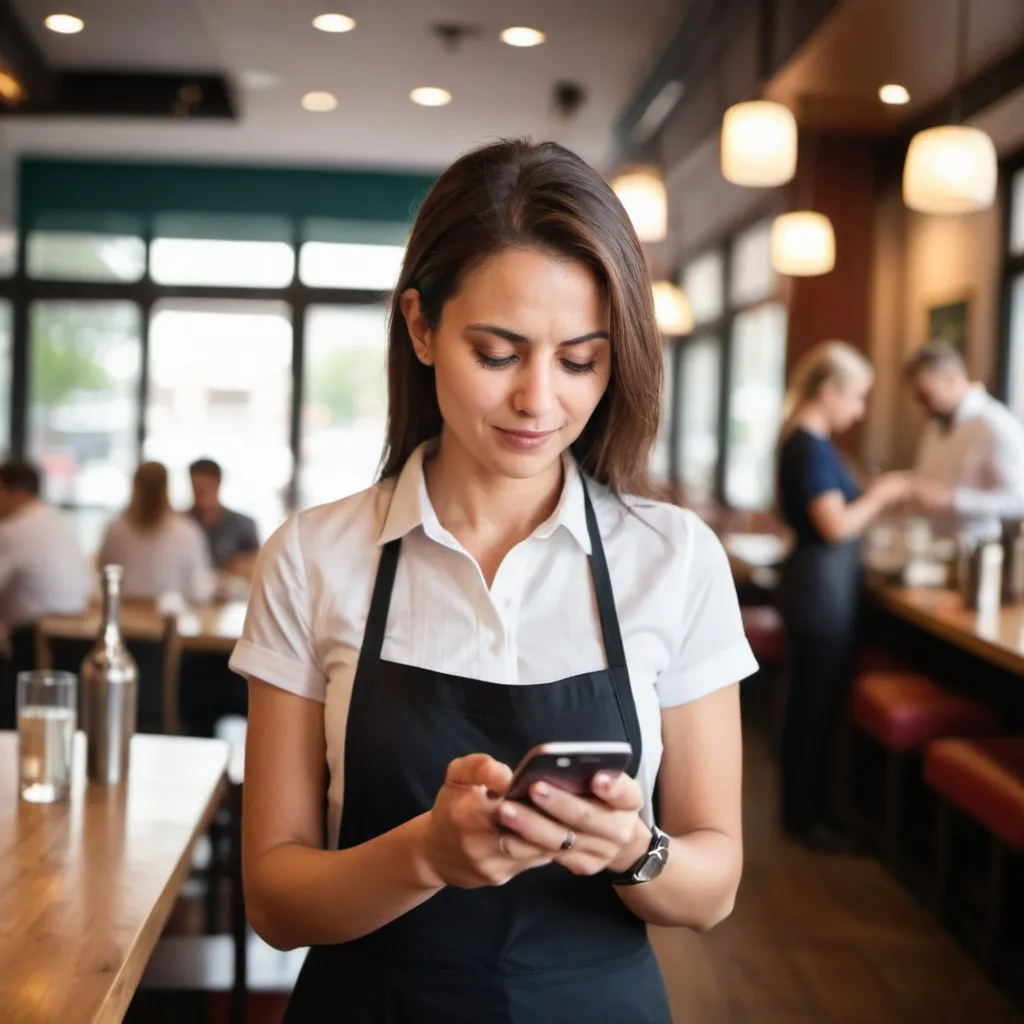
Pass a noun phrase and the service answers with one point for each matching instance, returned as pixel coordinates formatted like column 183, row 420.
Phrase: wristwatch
column 649, row 866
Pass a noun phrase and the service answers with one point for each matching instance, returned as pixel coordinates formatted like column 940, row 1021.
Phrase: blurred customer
column 820, row 589
column 231, row 537
column 162, row 552
column 970, row 464
column 43, row 570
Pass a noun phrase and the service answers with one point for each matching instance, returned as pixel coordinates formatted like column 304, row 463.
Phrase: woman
column 821, row 580
column 498, row 588
column 162, row 552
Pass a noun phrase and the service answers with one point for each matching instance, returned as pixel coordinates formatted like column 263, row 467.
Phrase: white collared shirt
column 538, row 623
column 981, row 455
column 43, row 570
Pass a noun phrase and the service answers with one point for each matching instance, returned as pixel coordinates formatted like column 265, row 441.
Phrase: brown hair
column 150, row 502
column 937, row 356
column 517, row 194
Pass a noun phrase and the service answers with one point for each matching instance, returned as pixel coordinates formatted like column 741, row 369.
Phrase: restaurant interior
column 203, row 210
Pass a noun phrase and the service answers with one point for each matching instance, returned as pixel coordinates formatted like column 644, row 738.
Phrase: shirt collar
column 971, row 403
column 411, row 507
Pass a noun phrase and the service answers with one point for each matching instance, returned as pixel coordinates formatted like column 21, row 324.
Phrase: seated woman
column 161, row 551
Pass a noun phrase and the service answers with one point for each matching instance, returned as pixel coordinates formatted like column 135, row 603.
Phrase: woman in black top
column 821, row 579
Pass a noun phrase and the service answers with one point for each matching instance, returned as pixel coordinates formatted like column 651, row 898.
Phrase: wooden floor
column 814, row 938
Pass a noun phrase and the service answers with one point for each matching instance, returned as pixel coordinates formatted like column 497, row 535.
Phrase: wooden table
column 212, row 628
column 997, row 638
column 86, row 886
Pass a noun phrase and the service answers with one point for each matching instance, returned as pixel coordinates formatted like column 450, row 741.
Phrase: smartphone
column 570, row 766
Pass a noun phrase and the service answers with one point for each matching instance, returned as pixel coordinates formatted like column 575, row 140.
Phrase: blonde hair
column 150, row 502
column 828, row 360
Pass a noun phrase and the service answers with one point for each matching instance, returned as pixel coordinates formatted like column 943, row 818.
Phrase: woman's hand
column 463, row 844
column 893, row 488
column 606, row 830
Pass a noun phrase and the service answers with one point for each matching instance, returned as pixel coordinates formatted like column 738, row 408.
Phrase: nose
column 533, row 396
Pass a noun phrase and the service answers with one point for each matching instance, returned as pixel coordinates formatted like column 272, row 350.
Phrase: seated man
column 231, row 536
column 970, row 464
column 43, row 570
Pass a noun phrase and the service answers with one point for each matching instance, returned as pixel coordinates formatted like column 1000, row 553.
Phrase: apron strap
column 377, row 617
column 615, row 652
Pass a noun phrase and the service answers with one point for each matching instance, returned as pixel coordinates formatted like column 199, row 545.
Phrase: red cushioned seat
column 906, row 710
column 765, row 632
column 984, row 778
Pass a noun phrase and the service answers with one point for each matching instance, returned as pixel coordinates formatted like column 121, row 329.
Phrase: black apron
column 546, row 948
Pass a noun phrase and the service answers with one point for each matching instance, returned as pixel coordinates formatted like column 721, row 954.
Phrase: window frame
column 22, row 291
column 1013, row 269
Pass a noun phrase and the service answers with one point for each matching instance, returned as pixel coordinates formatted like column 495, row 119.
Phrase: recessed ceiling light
column 256, row 80
column 320, row 102
column 430, row 96
column 65, row 24
column 334, row 23
column 520, row 35
column 894, row 95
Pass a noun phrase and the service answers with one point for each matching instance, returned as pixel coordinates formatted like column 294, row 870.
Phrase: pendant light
column 672, row 309
column 803, row 244
column 758, row 144
column 953, row 168
column 641, row 190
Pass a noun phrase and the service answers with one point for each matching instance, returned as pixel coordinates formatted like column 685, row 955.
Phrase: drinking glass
column 47, row 717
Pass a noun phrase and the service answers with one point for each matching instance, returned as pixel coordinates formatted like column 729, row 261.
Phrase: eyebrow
column 520, row 339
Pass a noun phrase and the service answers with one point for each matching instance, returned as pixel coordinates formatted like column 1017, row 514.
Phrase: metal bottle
column 110, row 686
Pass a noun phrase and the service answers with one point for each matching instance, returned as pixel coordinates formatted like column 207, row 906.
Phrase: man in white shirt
column 42, row 568
column 970, row 464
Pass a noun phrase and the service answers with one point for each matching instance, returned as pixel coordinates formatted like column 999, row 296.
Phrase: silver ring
column 570, row 839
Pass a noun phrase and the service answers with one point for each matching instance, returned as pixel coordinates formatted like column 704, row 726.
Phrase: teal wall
column 244, row 201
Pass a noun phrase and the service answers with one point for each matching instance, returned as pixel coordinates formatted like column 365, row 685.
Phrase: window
column 220, row 385
column 84, row 362
column 5, row 374
column 8, row 252
column 752, row 278
column 661, row 458
column 81, row 256
column 350, row 265
column 344, row 411
column 756, row 392
column 704, row 284
column 1015, row 383
column 700, row 368
column 205, row 261
column 1017, row 215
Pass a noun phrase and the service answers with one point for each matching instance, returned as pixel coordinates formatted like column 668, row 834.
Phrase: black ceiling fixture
column 102, row 93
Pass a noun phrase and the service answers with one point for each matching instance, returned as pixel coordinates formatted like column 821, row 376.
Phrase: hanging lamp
column 759, row 144
column 672, row 309
column 641, row 190
column 803, row 244
column 952, row 168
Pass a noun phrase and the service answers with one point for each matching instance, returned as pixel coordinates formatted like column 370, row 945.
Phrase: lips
column 524, row 440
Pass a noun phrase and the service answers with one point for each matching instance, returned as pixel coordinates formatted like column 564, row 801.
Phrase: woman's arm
column 700, row 796
column 837, row 520
column 297, row 893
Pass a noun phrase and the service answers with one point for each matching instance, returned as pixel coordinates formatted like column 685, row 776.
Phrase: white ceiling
column 605, row 45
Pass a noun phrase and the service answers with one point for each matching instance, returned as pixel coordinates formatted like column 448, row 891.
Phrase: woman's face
column 521, row 358
column 845, row 401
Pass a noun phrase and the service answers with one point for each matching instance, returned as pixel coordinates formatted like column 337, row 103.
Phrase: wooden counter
column 998, row 639
column 86, row 886
column 212, row 628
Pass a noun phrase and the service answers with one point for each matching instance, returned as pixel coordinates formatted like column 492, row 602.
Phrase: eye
column 573, row 367
column 492, row 363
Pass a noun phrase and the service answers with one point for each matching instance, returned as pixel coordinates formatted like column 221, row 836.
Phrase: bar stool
column 982, row 779
column 903, row 711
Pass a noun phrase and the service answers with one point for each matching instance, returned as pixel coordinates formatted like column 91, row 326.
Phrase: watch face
column 656, row 860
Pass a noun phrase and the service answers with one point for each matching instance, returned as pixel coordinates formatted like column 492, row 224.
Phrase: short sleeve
column 713, row 651
column 249, row 540
column 818, row 472
column 277, row 642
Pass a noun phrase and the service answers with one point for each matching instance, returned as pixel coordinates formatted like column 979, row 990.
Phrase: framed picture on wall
column 948, row 324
